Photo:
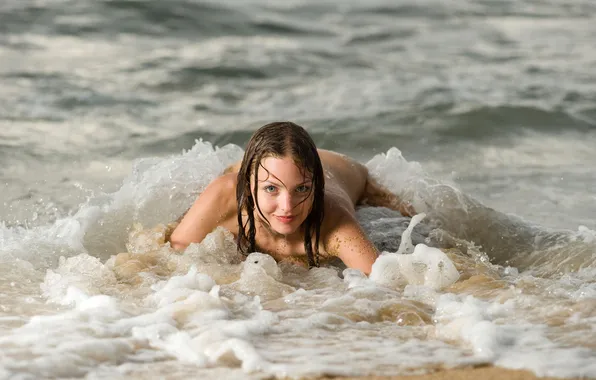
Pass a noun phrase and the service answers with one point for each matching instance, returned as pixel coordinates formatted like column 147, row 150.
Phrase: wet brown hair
column 280, row 139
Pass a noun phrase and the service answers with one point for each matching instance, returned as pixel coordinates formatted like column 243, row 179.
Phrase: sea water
column 115, row 115
column 92, row 295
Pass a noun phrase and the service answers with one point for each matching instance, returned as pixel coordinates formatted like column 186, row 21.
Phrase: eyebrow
column 280, row 182
column 269, row 174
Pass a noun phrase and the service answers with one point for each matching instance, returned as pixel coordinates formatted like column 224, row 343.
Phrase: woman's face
column 284, row 193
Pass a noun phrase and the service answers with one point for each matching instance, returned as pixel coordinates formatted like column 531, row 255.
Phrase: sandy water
column 86, row 309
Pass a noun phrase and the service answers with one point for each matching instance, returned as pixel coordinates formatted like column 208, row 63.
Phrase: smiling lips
column 287, row 219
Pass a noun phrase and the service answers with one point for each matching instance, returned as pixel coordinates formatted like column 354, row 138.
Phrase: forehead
column 282, row 168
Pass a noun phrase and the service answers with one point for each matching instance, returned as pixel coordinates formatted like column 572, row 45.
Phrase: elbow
column 177, row 243
column 365, row 268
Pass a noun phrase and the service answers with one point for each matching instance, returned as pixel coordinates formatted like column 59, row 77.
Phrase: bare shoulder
column 233, row 168
column 220, row 195
column 339, row 218
column 225, row 182
column 343, row 237
column 337, row 212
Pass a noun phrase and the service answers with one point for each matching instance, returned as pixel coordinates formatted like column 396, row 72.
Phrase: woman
column 291, row 201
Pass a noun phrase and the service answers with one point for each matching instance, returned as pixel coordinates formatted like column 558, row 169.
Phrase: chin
column 285, row 230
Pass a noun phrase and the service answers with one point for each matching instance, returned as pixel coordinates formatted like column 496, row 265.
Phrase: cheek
column 266, row 203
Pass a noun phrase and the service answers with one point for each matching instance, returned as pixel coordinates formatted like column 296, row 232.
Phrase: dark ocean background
column 496, row 96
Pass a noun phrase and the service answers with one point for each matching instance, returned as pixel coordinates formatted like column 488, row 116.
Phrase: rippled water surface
column 481, row 113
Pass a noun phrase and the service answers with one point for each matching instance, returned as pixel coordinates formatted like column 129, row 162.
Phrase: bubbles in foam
column 354, row 278
column 406, row 245
column 586, row 234
column 419, row 265
column 261, row 276
column 180, row 287
column 428, row 266
column 257, row 264
column 386, row 271
column 85, row 273
column 395, row 172
column 425, row 266
column 141, row 240
column 470, row 319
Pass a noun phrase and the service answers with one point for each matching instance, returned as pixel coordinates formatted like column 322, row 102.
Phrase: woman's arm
column 345, row 239
column 215, row 205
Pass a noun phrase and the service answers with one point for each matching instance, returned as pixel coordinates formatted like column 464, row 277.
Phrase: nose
column 286, row 203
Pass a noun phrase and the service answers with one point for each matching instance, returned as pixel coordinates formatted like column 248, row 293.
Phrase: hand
column 407, row 209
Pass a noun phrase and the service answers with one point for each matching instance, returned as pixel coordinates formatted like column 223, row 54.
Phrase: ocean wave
column 458, row 220
column 322, row 131
column 488, row 122
column 158, row 190
column 193, row 77
column 157, row 17
column 188, row 19
column 469, row 9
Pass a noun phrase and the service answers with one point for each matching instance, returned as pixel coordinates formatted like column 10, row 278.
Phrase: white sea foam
column 414, row 265
column 211, row 311
column 586, row 234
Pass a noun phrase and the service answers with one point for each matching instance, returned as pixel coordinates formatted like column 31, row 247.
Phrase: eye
column 269, row 189
column 303, row 189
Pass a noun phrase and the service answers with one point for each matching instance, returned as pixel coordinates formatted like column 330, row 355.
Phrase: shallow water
column 482, row 114
column 113, row 298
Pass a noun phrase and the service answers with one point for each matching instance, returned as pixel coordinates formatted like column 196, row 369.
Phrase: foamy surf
column 100, row 294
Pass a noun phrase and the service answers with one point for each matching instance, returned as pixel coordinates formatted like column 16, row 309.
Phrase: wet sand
column 474, row 373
